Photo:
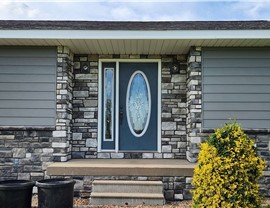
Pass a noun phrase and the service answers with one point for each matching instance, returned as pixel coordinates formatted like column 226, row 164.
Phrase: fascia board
column 128, row 35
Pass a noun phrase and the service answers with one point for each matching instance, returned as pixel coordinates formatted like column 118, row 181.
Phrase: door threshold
column 138, row 151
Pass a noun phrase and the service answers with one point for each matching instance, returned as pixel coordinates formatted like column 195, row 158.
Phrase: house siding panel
column 236, row 62
column 28, row 81
column 236, row 85
column 27, row 87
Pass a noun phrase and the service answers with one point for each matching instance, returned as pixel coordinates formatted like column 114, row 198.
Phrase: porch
column 122, row 167
column 175, row 175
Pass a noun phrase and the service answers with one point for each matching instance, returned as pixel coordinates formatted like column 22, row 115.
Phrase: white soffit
column 136, row 42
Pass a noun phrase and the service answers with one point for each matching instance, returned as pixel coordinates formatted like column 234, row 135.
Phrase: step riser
column 117, row 192
column 127, row 188
column 126, row 201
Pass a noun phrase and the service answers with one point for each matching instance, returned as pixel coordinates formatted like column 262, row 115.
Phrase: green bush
column 228, row 171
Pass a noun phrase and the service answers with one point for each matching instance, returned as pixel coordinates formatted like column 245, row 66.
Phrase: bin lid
column 55, row 182
column 16, row 184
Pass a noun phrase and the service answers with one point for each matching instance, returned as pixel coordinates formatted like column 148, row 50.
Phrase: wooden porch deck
column 122, row 167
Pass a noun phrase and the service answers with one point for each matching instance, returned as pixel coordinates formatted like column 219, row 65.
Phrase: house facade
column 73, row 91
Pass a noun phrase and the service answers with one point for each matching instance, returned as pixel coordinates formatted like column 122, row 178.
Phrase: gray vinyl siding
column 236, row 85
column 28, row 86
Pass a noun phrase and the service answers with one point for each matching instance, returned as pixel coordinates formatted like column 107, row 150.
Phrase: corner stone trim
column 194, row 103
column 62, row 134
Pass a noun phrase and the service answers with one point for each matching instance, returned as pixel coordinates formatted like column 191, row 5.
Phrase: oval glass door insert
column 138, row 103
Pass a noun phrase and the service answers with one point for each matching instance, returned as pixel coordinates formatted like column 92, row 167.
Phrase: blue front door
column 138, row 102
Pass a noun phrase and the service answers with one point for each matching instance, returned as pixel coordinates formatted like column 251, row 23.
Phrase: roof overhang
column 139, row 35
column 132, row 41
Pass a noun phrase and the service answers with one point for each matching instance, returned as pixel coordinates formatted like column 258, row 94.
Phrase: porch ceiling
column 136, row 46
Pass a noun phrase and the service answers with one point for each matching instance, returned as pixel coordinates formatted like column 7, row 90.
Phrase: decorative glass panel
column 108, row 103
column 138, row 103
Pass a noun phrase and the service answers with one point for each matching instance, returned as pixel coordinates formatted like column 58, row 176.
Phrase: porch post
column 62, row 134
column 194, row 103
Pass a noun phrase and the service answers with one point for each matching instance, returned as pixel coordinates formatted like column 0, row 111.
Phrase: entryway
column 130, row 106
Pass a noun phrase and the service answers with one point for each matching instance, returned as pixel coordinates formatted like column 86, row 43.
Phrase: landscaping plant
column 228, row 171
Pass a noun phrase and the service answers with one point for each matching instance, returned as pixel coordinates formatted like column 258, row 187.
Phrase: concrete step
column 122, row 192
column 124, row 186
column 126, row 199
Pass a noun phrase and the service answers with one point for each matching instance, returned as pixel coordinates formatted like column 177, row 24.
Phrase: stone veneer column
column 62, row 135
column 173, row 118
column 85, row 107
column 194, row 103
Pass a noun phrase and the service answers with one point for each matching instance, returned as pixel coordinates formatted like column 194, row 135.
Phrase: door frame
column 100, row 105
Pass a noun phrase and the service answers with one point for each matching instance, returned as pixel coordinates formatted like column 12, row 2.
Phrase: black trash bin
column 55, row 193
column 16, row 193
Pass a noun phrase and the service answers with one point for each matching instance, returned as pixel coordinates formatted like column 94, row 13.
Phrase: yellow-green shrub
column 228, row 171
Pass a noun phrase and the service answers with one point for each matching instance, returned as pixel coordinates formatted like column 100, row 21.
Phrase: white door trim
column 117, row 61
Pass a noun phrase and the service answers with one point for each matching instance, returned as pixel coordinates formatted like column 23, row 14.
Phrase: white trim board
column 117, row 61
column 127, row 34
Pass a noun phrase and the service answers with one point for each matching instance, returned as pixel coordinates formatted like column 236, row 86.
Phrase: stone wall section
column 174, row 188
column 25, row 154
column 62, row 134
column 173, row 117
column 85, row 108
column 194, row 104
column 262, row 140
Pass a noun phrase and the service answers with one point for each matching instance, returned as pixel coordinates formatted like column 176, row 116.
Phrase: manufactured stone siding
column 194, row 104
column 173, row 104
column 25, row 154
column 263, row 148
column 175, row 188
column 85, row 109
column 62, row 134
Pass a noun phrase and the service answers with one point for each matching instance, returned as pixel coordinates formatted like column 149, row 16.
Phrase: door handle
column 121, row 114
